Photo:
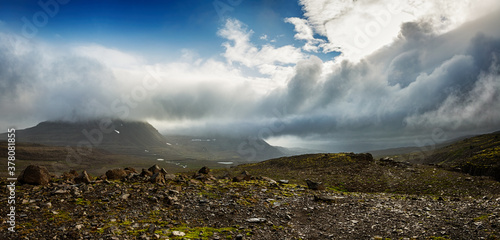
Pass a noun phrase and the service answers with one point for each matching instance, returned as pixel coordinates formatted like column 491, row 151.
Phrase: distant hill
column 479, row 155
column 220, row 148
column 402, row 153
column 117, row 136
column 140, row 139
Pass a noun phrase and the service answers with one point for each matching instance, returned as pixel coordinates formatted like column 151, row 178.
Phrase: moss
column 439, row 238
column 203, row 232
column 481, row 218
column 80, row 201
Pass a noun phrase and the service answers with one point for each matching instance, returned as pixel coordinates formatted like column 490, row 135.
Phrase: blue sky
column 154, row 28
column 333, row 75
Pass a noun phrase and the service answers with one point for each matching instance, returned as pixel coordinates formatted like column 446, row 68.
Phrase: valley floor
column 185, row 208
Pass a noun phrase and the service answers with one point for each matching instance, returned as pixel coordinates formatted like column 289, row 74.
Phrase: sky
column 333, row 75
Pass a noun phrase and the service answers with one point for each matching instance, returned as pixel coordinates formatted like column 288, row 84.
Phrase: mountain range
column 110, row 140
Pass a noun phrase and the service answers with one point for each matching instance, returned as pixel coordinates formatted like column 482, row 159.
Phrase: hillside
column 479, row 155
column 361, row 173
column 360, row 198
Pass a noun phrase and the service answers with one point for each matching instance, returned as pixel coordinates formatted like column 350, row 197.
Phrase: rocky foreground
column 154, row 204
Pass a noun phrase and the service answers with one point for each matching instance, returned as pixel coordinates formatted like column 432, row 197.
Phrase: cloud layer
column 423, row 75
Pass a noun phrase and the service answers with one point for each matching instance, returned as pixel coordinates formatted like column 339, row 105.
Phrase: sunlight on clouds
column 108, row 56
column 359, row 28
column 240, row 49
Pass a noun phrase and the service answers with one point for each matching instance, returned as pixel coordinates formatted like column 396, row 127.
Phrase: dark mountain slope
column 116, row 136
column 479, row 155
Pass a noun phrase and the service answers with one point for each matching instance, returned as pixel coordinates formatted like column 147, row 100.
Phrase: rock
column 35, row 175
column 169, row 176
column 61, row 191
column 78, row 226
column 146, row 172
column 315, row 185
column 173, row 192
column 158, row 178
column 82, row 178
column 256, row 220
column 151, row 228
column 239, row 237
column 125, row 196
column 178, row 234
column 171, row 200
column 69, row 176
column 244, row 176
column 47, row 205
column 204, row 170
column 116, row 174
column 154, row 169
column 270, row 180
column 326, row 198
column 130, row 170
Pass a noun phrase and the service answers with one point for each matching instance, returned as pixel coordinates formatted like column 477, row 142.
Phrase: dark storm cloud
column 422, row 81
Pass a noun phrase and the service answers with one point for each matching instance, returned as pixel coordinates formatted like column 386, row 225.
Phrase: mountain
column 229, row 149
column 117, row 136
column 479, row 155
column 140, row 139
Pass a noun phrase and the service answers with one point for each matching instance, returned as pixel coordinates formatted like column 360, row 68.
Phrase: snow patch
column 225, row 163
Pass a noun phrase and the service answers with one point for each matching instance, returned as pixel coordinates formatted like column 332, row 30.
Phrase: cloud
column 239, row 48
column 359, row 28
column 305, row 32
column 425, row 79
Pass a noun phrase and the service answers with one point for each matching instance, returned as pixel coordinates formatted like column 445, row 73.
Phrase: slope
column 479, row 155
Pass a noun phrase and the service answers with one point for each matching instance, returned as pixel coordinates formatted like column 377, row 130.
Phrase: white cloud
column 359, row 28
column 305, row 32
column 240, row 49
column 108, row 56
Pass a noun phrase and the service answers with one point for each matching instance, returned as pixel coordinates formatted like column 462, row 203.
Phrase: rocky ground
column 154, row 204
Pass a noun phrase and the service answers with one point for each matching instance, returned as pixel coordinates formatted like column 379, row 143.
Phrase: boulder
column 69, row 176
column 35, row 175
column 82, row 178
column 204, row 170
column 146, row 172
column 116, row 174
column 315, row 185
column 154, row 169
column 244, row 176
column 158, row 178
